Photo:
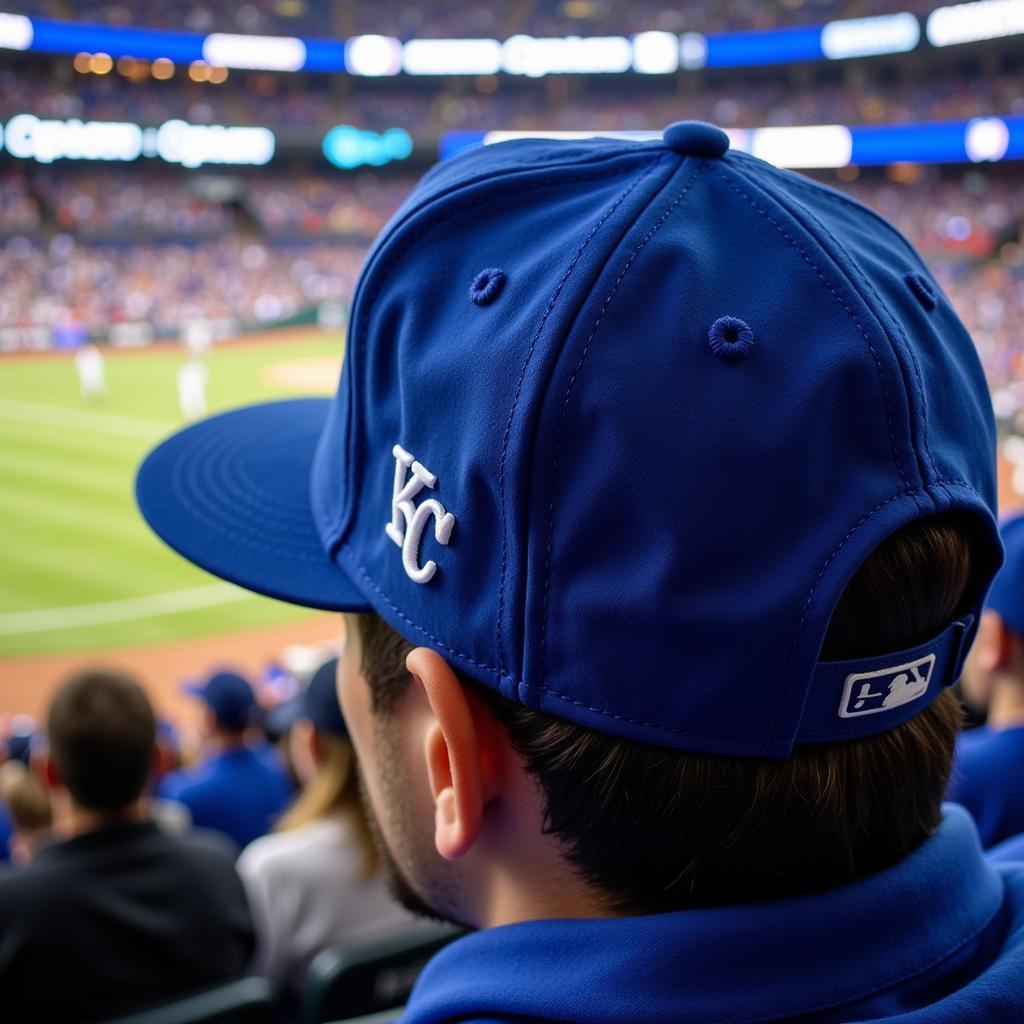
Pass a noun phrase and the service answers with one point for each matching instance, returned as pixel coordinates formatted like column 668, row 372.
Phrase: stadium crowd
column 968, row 224
column 164, row 286
column 307, row 102
column 355, row 205
column 140, row 202
column 19, row 208
column 120, row 201
column 254, row 17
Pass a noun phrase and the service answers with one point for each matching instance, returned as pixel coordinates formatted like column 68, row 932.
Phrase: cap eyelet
column 922, row 290
column 730, row 338
column 487, row 285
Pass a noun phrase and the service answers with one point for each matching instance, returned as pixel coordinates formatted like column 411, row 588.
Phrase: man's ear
column 462, row 749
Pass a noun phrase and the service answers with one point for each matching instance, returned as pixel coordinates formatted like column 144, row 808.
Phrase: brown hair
column 334, row 790
column 27, row 801
column 655, row 830
column 102, row 734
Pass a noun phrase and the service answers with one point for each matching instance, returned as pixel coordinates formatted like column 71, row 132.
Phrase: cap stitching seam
column 839, row 199
column 242, row 530
column 492, row 670
column 250, row 538
column 713, row 735
column 419, row 629
column 513, row 165
column 565, row 404
column 472, row 182
column 814, row 587
column 260, row 520
column 849, row 312
column 433, row 221
column 784, row 685
column 515, row 401
column 867, row 283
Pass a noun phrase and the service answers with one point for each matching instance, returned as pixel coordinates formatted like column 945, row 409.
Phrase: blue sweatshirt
column 937, row 939
column 238, row 792
column 986, row 779
column 1008, row 850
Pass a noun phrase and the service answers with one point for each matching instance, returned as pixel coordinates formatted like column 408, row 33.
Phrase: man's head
column 28, row 805
column 618, row 425
column 644, row 829
column 229, row 704
column 994, row 670
column 101, row 731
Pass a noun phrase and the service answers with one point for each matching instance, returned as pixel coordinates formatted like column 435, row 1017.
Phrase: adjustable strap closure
column 871, row 695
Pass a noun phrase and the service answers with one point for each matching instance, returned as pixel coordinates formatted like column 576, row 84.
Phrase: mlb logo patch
column 867, row 693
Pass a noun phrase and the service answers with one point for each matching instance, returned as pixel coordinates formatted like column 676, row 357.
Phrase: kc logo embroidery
column 408, row 520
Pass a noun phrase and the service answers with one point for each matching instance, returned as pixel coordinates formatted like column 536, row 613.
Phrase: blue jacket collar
column 746, row 963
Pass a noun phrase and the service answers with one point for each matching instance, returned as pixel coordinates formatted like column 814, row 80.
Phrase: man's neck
column 79, row 821
column 225, row 742
column 1006, row 707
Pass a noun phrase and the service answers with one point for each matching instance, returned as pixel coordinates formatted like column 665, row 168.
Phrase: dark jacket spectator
column 123, row 914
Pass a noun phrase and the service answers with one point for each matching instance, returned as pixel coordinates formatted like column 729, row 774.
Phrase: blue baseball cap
column 320, row 701
column 229, row 696
column 316, row 703
column 617, row 423
column 1007, row 594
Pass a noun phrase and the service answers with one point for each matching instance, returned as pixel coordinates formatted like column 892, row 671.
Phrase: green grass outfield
column 79, row 570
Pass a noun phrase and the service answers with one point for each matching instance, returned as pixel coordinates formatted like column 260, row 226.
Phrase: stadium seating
column 388, row 1017
column 245, row 1001
column 370, row 979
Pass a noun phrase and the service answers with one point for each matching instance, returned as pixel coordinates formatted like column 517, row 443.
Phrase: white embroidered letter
column 408, row 520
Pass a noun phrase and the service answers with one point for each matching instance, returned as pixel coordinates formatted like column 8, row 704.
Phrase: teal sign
column 349, row 147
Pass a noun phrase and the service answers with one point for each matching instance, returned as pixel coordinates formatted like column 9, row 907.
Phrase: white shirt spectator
column 306, row 893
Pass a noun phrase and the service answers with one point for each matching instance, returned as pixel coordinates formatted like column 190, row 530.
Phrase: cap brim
column 232, row 495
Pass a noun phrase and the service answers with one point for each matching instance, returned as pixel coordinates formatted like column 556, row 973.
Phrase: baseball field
column 83, row 576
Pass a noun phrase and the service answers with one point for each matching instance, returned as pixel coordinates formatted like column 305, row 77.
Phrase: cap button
column 695, row 138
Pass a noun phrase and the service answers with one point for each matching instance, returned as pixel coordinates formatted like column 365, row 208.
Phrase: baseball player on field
column 658, row 493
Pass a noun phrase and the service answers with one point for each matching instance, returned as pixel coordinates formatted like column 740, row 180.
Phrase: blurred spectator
column 287, row 103
column 292, row 17
column 20, row 738
column 326, row 204
column 126, row 201
column 28, row 807
column 988, row 774
column 19, row 210
column 235, row 789
column 315, row 881
column 235, row 280
column 119, row 914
